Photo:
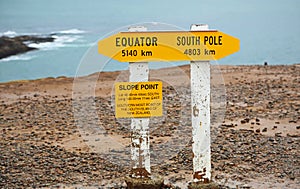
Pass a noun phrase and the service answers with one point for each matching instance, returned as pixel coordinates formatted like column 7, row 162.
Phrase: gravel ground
column 256, row 146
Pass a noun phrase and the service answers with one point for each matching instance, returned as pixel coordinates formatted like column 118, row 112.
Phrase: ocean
column 268, row 31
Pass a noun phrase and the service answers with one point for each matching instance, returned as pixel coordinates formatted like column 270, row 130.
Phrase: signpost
column 168, row 46
column 200, row 102
column 138, row 46
column 140, row 140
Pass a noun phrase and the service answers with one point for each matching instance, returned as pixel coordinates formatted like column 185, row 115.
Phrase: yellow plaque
column 168, row 46
column 138, row 99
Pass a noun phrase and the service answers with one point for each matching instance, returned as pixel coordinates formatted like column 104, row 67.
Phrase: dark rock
column 17, row 45
column 10, row 46
column 227, row 125
column 34, row 39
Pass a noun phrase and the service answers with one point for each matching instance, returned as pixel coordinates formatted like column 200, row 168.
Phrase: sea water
column 268, row 30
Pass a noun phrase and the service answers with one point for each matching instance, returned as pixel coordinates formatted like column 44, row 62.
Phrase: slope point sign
column 168, row 46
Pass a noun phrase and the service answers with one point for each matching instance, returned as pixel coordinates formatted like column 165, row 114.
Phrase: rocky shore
column 255, row 146
column 16, row 45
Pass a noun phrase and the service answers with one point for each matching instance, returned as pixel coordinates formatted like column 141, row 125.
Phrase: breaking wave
column 17, row 58
column 71, row 31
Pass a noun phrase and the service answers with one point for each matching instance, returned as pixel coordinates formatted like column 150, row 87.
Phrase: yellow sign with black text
column 138, row 99
column 168, row 46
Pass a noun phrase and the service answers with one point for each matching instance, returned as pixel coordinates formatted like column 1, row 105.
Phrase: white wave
column 9, row 33
column 71, row 31
column 66, row 38
column 14, row 34
column 17, row 57
column 46, row 45
column 59, row 42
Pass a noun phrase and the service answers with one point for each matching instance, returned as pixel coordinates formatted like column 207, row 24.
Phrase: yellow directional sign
column 168, row 46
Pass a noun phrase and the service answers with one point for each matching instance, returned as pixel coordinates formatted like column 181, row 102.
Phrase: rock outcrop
column 16, row 45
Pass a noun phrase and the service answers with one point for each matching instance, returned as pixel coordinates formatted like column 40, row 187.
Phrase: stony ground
column 256, row 146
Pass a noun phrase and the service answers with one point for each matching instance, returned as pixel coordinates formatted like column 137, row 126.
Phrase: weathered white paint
column 140, row 141
column 200, row 102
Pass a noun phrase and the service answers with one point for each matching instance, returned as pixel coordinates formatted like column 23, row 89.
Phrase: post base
column 156, row 182
column 201, row 185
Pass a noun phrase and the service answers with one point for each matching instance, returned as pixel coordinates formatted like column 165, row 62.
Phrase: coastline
column 118, row 71
column 256, row 145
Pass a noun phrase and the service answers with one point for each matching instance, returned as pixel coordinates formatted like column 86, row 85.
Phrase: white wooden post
column 200, row 102
column 140, row 141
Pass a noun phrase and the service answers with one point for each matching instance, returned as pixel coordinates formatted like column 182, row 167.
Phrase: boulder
column 16, row 45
